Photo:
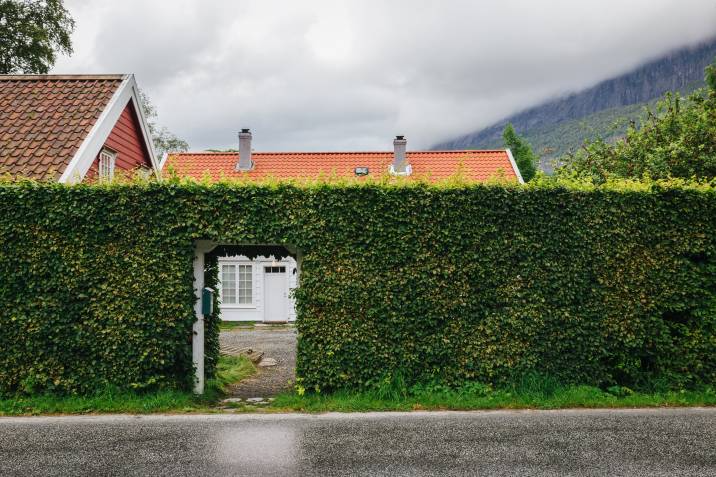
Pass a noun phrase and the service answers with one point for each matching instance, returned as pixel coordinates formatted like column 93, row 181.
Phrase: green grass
column 532, row 392
column 105, row 402
column 230, row 369
column 232, row 325
column 529, row 394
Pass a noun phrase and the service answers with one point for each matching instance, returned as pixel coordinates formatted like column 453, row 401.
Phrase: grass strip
column 533, row 392
column 234, row 325
column 230, row 369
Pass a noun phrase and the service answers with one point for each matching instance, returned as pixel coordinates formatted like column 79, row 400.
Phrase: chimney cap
column 245, row 130
column 400, row 138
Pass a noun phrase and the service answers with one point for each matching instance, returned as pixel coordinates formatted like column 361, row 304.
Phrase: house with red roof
column 256, row 286
column 71, row 128
column 432, row 166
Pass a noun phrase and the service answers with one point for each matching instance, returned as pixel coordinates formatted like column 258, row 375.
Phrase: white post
column 197, row 342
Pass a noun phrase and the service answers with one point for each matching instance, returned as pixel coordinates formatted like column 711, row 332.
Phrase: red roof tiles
column 45, row 118
column 430, row 165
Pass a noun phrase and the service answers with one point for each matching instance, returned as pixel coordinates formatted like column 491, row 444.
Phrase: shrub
column 612, row 285
column 678, row 139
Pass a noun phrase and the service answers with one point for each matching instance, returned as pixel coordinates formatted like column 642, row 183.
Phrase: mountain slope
column 561, row 125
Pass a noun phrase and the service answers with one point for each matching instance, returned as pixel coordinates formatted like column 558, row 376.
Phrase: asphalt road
column 627, row 442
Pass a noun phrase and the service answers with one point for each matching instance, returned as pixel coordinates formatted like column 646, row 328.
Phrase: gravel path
column 277, row 342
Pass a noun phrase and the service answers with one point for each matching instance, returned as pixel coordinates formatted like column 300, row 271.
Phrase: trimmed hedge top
column 449, row 283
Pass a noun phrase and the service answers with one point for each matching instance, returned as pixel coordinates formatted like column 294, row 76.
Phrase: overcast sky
column 349, row 75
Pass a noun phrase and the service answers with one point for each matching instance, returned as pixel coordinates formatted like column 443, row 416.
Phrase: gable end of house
column 122, row 129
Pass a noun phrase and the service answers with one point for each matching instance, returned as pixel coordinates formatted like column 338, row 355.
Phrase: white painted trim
column 514, row 166
column 163, row 161
column 93, row 143
column 197, row 343
column 102, row 128
column 144, row 127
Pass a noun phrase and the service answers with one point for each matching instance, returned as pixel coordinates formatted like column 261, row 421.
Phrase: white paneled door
column 275, row 294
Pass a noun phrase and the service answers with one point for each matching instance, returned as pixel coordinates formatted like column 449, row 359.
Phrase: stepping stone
column 266, row 362
column 233, row 350
column 255, row 400
column 232, row 400
column 254, row 355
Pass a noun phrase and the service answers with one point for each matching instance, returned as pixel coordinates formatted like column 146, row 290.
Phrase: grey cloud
column 325, row 75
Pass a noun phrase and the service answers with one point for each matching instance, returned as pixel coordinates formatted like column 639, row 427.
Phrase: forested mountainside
column 558, row 126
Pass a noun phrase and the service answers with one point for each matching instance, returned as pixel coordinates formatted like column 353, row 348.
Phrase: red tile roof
column 45, row 118
column 430, row 165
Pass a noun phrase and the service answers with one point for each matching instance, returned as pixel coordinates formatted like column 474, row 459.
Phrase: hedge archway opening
column 206, row 354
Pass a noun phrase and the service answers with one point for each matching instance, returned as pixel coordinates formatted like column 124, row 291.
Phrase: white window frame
column 107, row 160
column 237, row 263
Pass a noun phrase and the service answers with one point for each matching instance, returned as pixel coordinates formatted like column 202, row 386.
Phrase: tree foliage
column 32, row 33
column 164, row 140
column 678, row 139
column 522, row 152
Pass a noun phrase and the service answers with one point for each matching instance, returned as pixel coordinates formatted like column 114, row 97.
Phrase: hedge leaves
column 599, row 285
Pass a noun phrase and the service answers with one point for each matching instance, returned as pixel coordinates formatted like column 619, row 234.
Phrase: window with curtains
column 236, row 284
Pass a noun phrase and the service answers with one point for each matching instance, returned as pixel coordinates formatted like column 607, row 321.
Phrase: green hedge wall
column 95, row 289
column 615, row 284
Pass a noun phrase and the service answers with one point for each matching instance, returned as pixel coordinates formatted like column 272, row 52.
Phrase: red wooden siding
column 126, row 140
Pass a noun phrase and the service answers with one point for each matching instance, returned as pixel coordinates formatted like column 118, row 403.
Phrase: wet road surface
column 624, row 442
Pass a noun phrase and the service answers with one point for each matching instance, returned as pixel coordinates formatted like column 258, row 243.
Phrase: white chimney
column 400, row 164
column 245, row 162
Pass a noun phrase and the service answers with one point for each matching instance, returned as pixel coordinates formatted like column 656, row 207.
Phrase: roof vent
column 362, row 171
column 245, row 162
